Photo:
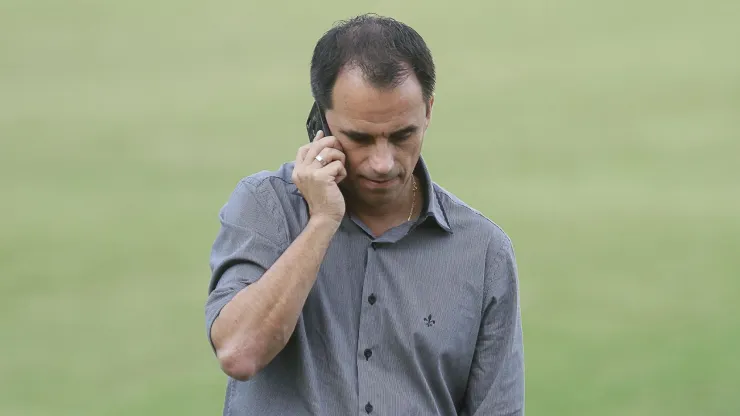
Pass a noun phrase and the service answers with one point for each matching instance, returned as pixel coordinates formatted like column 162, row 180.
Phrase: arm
column 496, row 383
column 260, row 282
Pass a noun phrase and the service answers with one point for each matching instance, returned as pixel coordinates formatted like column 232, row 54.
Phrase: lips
column 380, row 183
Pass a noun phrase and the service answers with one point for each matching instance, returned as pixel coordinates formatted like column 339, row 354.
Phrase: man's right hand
column 318, row 180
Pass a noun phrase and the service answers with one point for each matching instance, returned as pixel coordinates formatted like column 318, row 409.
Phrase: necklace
column 413, row 200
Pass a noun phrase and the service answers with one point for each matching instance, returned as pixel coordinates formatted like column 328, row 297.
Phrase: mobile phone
column 316, row 121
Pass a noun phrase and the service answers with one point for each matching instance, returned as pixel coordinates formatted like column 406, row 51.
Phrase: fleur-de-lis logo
column 429, row 321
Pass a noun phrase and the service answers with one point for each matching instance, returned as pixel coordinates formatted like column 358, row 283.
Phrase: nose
column 381, row 160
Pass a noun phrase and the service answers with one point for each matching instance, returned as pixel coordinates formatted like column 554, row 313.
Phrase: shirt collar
column 432, row 207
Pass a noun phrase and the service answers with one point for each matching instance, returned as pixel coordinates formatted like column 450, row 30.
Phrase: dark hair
column 384, row 49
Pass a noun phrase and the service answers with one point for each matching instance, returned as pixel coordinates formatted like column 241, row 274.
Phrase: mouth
column 379, row 184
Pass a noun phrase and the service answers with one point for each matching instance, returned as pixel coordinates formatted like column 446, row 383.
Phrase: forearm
column 257, row 323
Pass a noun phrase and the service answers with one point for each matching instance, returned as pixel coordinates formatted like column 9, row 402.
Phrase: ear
column 430, row 104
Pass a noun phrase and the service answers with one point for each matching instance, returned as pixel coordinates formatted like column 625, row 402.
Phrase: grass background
column 603, row 136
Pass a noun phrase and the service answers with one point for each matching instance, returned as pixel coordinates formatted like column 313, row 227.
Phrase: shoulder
column 470, row 222
column 278, row 181
column 260, row 196
column 495, row 245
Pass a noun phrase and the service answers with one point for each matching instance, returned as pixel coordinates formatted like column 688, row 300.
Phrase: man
column 347, row 281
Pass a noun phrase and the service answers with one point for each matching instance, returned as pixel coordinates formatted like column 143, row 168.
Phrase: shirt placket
column 369, row 334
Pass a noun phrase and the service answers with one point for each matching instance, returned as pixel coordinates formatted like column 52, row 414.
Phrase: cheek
column 412, row 148
column 353, row 160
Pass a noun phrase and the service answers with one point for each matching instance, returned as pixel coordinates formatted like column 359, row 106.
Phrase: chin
column 376, row 201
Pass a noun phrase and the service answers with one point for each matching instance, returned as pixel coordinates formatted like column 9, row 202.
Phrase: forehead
column 359, row 104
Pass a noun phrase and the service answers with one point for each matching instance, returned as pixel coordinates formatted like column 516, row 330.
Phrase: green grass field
column 604, row 138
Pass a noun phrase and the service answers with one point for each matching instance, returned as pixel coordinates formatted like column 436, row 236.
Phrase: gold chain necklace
column 413, row 200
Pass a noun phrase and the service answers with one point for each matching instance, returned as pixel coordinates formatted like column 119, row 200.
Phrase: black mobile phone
column 316, row 121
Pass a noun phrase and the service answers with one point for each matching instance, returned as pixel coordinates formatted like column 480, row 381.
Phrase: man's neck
column 381, row 219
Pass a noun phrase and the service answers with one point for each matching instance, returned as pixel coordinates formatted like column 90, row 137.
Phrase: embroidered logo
column 429, row 321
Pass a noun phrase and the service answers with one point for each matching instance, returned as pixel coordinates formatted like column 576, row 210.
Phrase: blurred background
column 604, row 137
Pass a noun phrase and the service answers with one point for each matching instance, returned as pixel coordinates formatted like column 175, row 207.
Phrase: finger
column 342, row 175
column 301, row 155
column 333, row 169
column 319, row 135
column 328, row 155
column 317, row 146
column 337, row 145
column 303, row 150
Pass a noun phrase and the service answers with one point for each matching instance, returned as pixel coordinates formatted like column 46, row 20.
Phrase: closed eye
column 403, row 134
column 358, row 136
column 398, row 135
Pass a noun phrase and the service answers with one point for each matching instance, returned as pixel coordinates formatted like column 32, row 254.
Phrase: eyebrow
column 359, row 135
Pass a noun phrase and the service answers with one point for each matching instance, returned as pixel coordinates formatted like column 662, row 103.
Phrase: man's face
column 381, row 132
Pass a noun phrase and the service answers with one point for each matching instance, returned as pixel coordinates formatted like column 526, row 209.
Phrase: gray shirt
column 423, row 320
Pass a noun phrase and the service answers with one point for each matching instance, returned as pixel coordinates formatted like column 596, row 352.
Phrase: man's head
column 375, row 77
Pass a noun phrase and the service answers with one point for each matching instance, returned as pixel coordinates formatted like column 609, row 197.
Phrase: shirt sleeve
column 249, row 241
column 496, row 383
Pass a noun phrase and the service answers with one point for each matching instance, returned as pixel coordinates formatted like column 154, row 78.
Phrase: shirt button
column 371, row 299
column 368, row 408
column 368, row 354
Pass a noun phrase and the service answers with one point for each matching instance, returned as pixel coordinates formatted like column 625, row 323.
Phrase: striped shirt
column 422, row 320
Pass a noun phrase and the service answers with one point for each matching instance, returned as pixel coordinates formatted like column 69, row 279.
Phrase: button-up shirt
column 422, row 320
